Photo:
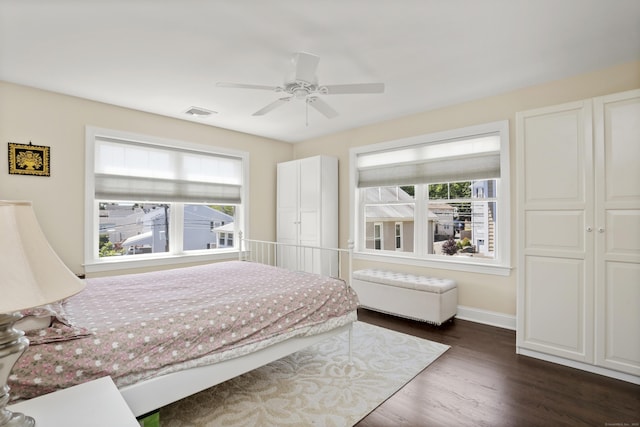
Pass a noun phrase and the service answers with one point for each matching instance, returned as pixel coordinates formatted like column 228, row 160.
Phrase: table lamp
column 31, row 275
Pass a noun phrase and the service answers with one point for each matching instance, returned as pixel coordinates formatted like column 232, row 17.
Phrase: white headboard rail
column 312, row 259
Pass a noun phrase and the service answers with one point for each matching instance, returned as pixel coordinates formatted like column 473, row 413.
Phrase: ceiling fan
column 303, row 85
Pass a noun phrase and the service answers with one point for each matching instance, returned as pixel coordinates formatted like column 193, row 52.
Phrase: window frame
column 398, row 229
column 500, row 265
column 378, row 235
column 176, row 255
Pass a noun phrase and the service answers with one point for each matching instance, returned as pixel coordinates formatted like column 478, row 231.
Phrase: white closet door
column 287, row 215
column 310, row 209
column 617, row 150
column 555, row 197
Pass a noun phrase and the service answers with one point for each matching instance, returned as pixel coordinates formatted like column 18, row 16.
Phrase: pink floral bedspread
column 141, row 324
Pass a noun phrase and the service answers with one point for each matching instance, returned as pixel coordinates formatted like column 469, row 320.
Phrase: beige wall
column 482, row 291
column 59, row 121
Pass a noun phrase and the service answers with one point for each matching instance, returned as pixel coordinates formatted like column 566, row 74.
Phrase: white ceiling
column 166, row 56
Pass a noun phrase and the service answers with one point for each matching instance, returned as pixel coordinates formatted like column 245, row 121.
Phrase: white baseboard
column 492, row 318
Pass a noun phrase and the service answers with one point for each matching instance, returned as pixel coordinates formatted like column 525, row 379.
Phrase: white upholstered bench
column 427, row 299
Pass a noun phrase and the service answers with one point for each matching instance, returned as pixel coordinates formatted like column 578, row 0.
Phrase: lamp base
column 12, row 344
column 19, row 420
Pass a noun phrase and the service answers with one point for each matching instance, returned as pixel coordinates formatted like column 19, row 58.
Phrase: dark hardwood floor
column 481, row 381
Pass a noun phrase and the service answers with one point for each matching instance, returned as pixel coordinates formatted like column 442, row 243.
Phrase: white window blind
column 134, row 171
column 448, row 161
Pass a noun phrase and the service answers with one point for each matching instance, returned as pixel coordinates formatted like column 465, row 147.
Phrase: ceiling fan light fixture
column 300, row 93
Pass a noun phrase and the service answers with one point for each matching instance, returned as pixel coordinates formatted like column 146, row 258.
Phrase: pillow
column 53, row 310
column 36, row 318
column 58, row 331
column 49, row 323
column 33, row 323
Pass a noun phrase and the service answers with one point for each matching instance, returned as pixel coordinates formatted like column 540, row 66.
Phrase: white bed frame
column 149, row 395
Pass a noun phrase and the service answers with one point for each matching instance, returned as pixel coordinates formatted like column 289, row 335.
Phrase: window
column 377, row 236
column 398, row 236
column 441, row 198
column 392, row 210
column 464, row 214
column 149, row 198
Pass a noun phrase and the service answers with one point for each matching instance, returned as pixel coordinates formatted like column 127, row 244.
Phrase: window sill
column 457, row 265
column 112, row 264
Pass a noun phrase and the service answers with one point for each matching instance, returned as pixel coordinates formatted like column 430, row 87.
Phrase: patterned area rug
column 313, row 387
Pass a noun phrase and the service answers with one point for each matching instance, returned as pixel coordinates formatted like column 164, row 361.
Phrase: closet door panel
column 309, row 225
column 620, row 135
column 310, row 183
column 554, row 157
column 622, row 234
column 556, row 307
column 617, row 150
column 621, row 348
column 560, row 231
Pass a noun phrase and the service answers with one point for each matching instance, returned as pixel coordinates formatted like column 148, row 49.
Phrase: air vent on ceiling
column 199, row 112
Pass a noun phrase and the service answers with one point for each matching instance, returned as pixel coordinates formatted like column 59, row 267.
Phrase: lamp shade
column 31, row 273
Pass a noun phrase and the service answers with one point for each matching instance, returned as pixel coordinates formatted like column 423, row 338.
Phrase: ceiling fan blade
column 306, row 65
column 275, row 104
column 322, row 106
column 246, row 86
column 353, row 88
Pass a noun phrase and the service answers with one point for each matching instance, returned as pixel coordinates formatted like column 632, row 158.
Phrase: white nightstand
column 97, row 403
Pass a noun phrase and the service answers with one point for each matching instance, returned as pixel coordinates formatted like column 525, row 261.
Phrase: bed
column 165, row 335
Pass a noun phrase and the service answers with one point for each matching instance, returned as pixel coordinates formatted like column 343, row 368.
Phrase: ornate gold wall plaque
column 28, row 159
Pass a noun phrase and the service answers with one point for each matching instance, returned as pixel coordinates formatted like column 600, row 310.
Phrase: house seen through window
column 453, row 211
column 435, row 197
column 137, row 228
